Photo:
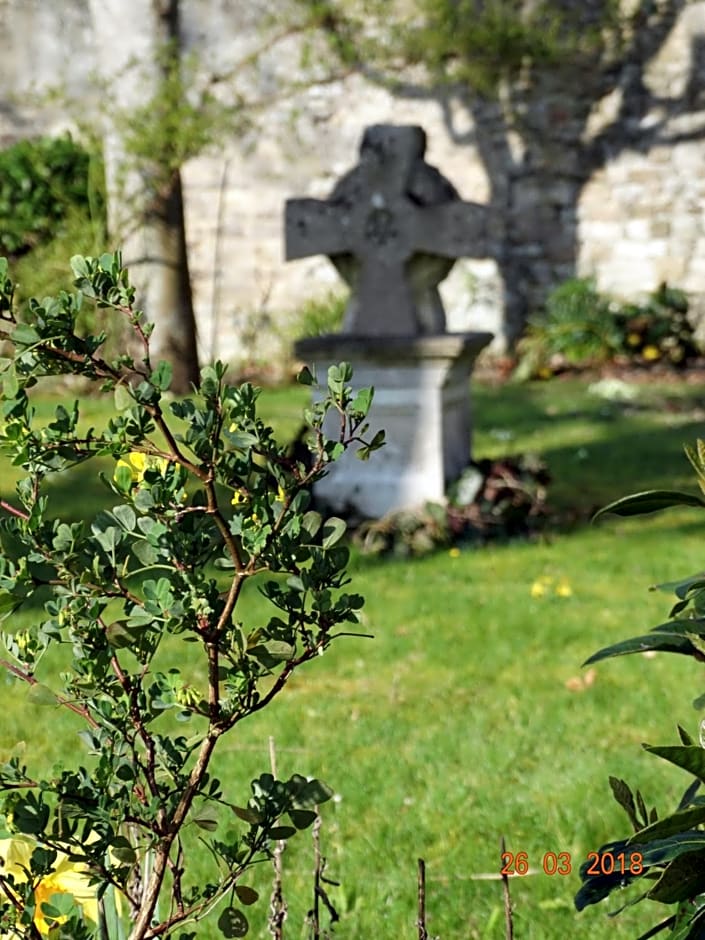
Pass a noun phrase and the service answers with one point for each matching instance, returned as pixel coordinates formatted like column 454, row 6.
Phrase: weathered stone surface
column 303, row 142
column 393, row 226
column 421, row 400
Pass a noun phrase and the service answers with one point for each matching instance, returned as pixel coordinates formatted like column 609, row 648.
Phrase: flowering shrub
column 581, row 326
column 205, row 500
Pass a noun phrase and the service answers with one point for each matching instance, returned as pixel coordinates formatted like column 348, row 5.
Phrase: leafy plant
column 41, row 182
column 319, row 316
column 665, row 856
column 584, row 327
column 205, row 501
column 492, row 499
column 577, row 327
column 659, row 330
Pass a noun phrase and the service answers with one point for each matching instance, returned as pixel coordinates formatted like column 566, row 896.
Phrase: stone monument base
column 421, row 400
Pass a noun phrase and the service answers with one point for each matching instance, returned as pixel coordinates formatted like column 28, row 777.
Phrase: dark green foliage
column 204, row 499
column 670, row 851
column 41, row 182
column 492, row 499
column 580, row 326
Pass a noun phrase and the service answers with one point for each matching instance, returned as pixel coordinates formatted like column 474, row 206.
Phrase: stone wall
column 634, row 221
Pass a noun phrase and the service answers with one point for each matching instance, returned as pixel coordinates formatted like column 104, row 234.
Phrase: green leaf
column 120, row 635
column 664, row 850
column 333, row 531
column 246, row 895
column 676, row 822
column 123, row 479
column 305, row 377
column 233, row 923
column 122, row 397
column 8, row 604
column 9, row 383
column 683, row 879
column 362, row 401
column 79, row 267
column 25, row 335
column 314, row 793
column 145, row 552
column 162, row 375
column 659, row 642
column 682, row 588
column 277, row 833
column 649, row 501
column 206, row 818
column 690, row 758
column 123, row 851
column 40, row 694
column 125, row 515
column 251, row 816
column 271, row 653
column 623, row 795
column 311, row 522
column 60, row 904
column 302, row 818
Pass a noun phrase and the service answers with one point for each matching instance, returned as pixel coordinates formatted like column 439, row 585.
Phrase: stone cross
column 393, row 227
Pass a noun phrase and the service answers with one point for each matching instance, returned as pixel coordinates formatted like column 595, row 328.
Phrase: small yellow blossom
column 538, row 589
column 67, row 877
column 281, row 494
column 633, row 339
column 454, row 552
column 233, row 427
column 547, row 584
column 651, row 353
column 138, row 463
column 238, row 498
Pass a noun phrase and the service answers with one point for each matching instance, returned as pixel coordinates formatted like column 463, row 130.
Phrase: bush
column 492, row 499
column 41, row 182
column 205, row 500
column 581, row 327
column 664, row 857
column 319, row 316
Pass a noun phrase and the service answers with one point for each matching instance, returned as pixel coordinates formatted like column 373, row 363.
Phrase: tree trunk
column 145, row 202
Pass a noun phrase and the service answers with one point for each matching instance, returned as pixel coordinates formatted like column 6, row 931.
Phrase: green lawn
column 468, row 717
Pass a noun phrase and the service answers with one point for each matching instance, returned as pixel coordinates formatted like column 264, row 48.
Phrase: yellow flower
column 538, row 589
column 238, row 498
column 67, row 877
column 281, row 494
column 633, row 339
column 454, row 552
column 138, row 463
column 234, row 427
column 651, row 353
column 563, row 589
column 541, row 585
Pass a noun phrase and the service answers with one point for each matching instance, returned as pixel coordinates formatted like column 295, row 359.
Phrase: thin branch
column 421, row 921
column 508, row 921
column 14, row 512
column 66, row 703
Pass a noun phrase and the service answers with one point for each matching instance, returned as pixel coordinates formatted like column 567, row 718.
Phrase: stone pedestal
column 421, row 400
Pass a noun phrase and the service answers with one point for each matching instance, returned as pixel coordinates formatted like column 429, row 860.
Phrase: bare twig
column 277, row 905
column 315, row 915
column 421, row 920
column 509, row 925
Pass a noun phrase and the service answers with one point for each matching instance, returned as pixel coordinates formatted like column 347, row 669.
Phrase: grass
column 468, row 717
